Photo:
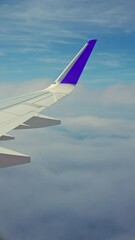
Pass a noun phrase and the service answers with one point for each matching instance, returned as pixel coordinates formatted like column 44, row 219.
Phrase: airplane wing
column 23, row 112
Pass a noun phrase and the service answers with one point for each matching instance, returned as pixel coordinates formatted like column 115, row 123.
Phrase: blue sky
column 80, row 183
column 38, row 39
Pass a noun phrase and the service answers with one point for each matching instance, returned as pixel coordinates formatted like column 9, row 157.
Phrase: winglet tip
column 93, row 41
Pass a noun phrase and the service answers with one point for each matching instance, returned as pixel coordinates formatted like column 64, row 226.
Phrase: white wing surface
column 23, row 112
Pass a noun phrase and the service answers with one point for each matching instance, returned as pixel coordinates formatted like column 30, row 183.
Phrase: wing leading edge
column 23, row 112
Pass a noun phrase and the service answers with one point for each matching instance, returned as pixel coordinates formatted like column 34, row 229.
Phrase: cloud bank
column 79, row 184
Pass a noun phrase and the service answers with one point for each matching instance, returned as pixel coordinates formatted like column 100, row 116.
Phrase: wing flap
column 6, row 137
column 9, row 158
column 8, row 126
column 39, row 122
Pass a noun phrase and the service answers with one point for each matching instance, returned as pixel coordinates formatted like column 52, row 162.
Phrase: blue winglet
column 77, row 65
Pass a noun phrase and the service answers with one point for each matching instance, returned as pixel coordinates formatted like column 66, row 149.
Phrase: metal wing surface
column 23, row 112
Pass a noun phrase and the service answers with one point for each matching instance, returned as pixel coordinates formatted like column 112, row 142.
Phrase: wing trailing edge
column 9, row 158
column 6, row 137
column 39, row 122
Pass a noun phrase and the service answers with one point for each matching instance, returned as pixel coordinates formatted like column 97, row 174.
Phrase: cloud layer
column 79, row 184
